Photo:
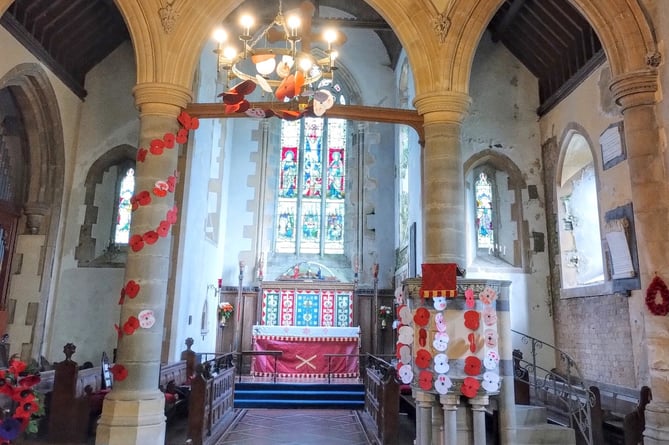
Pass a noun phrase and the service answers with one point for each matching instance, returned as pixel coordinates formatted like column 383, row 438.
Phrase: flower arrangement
column 21, row 404
column 225, row 311
column 385, row 313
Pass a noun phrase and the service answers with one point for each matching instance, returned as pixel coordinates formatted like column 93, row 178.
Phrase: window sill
column 595, row 290
column 489, row 263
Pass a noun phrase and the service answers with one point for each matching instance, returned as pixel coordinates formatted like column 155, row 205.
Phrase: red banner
column 439, row 280
column 306, row 357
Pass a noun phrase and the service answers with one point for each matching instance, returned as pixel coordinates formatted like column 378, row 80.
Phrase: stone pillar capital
column 423, row 397
column 161, row 98
column 479, row 402
column 35, row 212
column 635, row 89
column 443, row 107
column 450, row 401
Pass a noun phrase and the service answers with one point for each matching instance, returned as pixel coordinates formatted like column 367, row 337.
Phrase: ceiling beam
column 351, row 112
column 509, row 17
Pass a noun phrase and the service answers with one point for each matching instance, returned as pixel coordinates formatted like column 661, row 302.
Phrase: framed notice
column 612, row 143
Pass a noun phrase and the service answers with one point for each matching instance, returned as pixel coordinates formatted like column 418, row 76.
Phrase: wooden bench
column 618, row 415
column 382, row 400
column 72, row 394
column 211, row 402
column 70, row 402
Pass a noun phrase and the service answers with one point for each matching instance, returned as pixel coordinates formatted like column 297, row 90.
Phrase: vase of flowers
column 225, row 311
column 385, row 315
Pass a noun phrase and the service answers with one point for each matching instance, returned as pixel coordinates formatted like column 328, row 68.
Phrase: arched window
column 485, row 230
column 104, row 234
column 578, row 212
column 123, row 217
column 497, row 234
column 312, row 186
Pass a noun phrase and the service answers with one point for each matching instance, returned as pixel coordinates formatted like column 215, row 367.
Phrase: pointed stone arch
column 495, row 161
column 38, row 105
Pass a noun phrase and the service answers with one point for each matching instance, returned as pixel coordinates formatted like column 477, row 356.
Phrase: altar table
column 307, row 351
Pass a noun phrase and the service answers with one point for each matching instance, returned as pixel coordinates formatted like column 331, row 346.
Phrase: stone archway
column 37, row 103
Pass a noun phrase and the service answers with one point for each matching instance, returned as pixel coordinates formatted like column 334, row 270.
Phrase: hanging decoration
column 654, row 306
column 146, row 319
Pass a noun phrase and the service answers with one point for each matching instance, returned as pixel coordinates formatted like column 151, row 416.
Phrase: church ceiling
column 551, row 38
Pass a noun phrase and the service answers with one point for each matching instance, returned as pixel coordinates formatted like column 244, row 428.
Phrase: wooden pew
column 382, row 400
column 618, row 418
column 69, row 407
column 74, row 397
column 211, row 405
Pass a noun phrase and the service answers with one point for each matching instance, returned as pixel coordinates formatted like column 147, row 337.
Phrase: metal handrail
column 569, row 389
column 241, row 355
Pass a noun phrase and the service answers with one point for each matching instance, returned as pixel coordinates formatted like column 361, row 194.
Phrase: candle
column 220, row 283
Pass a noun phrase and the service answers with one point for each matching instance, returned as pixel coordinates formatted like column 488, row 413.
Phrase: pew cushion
column 405, row 389
column 96, row 399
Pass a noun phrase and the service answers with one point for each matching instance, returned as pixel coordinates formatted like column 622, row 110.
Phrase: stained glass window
column 484, row 213
column 124, row 210
column 312, row 186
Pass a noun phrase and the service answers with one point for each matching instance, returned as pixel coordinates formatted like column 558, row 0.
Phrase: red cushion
column 97, row 398
column 405, row 389
column 170, row 398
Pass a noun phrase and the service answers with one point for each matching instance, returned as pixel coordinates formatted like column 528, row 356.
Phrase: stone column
column 478, row 405
column 443, row 183
column 450, row 404
column 424, row 402
column 133, row 412
column 647, row 162
column 437, row 423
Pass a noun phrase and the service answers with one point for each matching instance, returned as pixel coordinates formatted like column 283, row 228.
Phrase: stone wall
column 595, row 331
column 595, row 328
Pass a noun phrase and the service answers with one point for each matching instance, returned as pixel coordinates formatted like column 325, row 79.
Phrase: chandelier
column 278, row 57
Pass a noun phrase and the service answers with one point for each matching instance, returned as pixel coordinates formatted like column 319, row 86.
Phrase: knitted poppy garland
column 146, row 318
column 657, row 304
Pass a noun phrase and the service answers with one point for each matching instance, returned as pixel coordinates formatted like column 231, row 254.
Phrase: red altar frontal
column 307, row 352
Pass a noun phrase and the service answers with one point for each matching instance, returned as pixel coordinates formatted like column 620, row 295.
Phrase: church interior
column 437, row 158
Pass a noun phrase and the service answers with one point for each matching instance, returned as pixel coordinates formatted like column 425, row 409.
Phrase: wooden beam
column 508, row 18
column 351, row 112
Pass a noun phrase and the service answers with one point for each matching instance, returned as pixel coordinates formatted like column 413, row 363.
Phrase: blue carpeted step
column 308, row 395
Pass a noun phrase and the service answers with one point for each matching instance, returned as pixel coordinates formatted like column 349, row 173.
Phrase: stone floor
column 294, row 427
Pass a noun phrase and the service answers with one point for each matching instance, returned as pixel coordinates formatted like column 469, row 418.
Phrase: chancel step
column 299, row 395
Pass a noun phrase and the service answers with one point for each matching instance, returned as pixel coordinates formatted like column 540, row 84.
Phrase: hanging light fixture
column 277, row 57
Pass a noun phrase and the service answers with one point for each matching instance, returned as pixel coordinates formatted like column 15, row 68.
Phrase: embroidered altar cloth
column 304, row 351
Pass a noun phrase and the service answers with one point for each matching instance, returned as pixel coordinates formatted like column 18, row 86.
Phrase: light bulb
column 246, row 22
column 330, row 35
column 230, row 52
column 305, row 64
column 220, row 35
column 294, row 23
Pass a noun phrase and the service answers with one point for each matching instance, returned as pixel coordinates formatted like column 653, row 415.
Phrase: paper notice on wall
column 621, row 260
column 611, row 143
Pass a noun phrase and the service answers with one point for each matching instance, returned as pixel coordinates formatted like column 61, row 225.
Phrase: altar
column 306, row 351
column 306, row 315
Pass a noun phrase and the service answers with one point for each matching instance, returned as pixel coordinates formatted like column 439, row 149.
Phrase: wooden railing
column 211, row 404
column 382, row 399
